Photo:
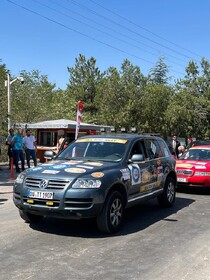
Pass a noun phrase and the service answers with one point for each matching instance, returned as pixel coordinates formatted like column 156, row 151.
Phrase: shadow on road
column 3, row 200
column 136, row 219
column 194, row 190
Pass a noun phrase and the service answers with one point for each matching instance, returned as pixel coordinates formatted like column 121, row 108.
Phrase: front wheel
column 30, row 218
column 167, row 198
column 111, row 217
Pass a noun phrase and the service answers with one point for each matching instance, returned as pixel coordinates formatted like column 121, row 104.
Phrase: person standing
column 17, row 147
column 175, row 145
column 8, row 142
column 29, row 142
column 60, row 144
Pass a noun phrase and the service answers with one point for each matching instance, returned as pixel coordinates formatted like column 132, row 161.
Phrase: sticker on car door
column 135, row 174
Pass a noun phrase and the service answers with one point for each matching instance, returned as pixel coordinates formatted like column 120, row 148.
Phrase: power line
column 130, row 30
column 76, row 31
column 93, row 27
column 145, row 29
column 85, row 35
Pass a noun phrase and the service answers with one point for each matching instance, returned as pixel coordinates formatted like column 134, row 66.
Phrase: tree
column 32, row 101
column 3, row 97
column 83, row 84
column 158, row 74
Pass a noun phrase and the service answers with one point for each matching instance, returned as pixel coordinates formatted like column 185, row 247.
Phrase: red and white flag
column 80, row 108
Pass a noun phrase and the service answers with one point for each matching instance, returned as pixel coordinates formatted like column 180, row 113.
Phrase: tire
column 30, row 218
column 110, row 219
column 167, row 198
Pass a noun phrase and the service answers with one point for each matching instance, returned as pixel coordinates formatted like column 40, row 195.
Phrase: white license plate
column 40, row 194
column 182, row 180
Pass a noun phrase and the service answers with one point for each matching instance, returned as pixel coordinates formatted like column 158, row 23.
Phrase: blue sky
column 47, row 35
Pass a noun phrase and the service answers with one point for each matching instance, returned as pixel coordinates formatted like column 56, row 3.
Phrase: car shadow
column 3, row 200
column 194, row 190
column 136, row 218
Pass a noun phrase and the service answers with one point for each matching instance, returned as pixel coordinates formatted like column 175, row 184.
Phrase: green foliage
column 158, row 74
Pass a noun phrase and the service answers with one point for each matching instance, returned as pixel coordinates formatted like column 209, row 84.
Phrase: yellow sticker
column 110, row 140
column 185, row 165
column 98, row 174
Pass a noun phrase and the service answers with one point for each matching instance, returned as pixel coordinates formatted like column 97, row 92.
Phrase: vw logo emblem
column 43, row 184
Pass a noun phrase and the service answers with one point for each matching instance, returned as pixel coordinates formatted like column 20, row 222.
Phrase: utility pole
column 8, row 84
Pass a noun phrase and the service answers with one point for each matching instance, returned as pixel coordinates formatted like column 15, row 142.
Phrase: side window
column 138, row 148
column 153, row 148
column 164, row 148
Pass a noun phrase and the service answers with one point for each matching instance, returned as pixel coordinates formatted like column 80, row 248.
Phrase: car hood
column 71, row 168
column 192, row 164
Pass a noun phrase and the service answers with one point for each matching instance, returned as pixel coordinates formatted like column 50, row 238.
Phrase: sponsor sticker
column 110, row 140
column 200, row 167
column 184, row 165
column 93, row 163
column 35, row 168
column 72, row 162
column 147, row 187
column 75, row 170
column 84, row 166
column 50, row 171
column 135, row 174
column 125, row 174
column 59, row 166
column 97, row 174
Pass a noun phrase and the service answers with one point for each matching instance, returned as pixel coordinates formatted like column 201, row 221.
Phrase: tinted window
column 154, row 149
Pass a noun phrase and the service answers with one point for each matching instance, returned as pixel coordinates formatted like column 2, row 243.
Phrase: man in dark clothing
column 175, row 144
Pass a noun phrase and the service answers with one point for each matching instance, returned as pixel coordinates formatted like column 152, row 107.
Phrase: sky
column 48, row 35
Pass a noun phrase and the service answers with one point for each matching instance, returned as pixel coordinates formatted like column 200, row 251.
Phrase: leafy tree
column 155, row 101
column 32, row 101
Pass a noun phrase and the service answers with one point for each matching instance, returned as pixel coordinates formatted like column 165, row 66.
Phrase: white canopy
column 63, row 123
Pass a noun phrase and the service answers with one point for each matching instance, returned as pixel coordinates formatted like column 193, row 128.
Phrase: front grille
column 31, row 182
column 184, row 172
column 78, row 203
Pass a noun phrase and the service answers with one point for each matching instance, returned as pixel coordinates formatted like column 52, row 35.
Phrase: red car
column 193, row 168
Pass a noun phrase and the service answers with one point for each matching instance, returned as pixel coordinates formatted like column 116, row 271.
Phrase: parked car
column 197, row 143
column 193, row 168
column 98, row 177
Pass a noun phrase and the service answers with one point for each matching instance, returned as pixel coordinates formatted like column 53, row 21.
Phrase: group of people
column 17, row 145
column 177, row 149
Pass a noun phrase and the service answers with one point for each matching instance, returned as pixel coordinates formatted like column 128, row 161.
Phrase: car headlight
column 20, row 179
column 86, row 184
column 201, row 173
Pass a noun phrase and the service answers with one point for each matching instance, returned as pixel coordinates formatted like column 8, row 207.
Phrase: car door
column 140, row 171
column 156, row 160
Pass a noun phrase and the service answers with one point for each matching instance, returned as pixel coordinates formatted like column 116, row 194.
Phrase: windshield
column 105, row 149
column 197, row 154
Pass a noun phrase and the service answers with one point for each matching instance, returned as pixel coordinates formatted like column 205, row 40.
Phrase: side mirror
column 48, row 154
column 137, row 158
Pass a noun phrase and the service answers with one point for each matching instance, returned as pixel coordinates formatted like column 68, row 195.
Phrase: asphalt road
column 154, row 243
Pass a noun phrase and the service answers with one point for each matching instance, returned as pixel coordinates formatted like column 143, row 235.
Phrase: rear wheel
column 111, row 217
column 30, row 218
column 167, row 198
